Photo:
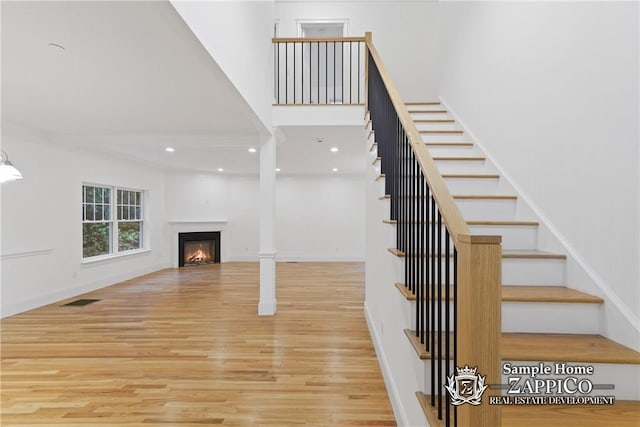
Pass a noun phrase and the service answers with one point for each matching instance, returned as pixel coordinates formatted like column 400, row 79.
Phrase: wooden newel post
column 479, row 300
column 367, row 43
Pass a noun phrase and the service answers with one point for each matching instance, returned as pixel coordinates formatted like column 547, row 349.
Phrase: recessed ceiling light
column 334, row 149
column 220, row 170
column 252, row 150
column 319, row 140
column 335, row 169
column 169, row 149
column 277, row 169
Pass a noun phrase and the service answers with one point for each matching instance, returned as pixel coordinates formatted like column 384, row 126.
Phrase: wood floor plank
column 186, row 347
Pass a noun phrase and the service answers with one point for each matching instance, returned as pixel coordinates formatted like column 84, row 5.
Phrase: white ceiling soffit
column 126, row 68
column 306, row 150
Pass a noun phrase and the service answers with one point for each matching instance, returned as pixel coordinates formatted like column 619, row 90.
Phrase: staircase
column 544, row 319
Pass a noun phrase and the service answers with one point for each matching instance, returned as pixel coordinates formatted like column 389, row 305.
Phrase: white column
column 267, row 305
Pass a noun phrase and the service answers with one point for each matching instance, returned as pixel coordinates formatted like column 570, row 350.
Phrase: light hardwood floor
column 186, row 347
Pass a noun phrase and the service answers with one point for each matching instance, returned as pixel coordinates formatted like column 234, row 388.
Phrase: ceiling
column 131, row 79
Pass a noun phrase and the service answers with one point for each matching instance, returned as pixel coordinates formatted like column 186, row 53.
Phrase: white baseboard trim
column 319, row 258
column 392, row 389
column 295, row 258
column 622, row 308
column 13, row 308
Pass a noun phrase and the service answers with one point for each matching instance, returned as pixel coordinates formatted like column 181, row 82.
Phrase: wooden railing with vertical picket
column 318, row 71
column 454, row 275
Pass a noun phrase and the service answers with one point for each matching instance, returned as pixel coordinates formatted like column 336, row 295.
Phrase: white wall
column 318, row 218
column 41, row 222
column 404, row 32
column 550, row 89
column 237, row 34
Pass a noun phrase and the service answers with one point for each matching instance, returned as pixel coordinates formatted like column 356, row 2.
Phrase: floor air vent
column 81, row 302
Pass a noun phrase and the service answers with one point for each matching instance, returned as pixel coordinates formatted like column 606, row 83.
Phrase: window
column 106, row 233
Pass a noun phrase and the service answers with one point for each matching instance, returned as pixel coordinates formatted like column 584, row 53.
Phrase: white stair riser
column 624, row 377
column 436, row 125
column 462, row 166
column 421, row 116
column 549, row 272
column 452, row 151
column 513, row 237
column 444, row 137
column 559, row 318
column 424, row 107
column 535, row 317
column 489, row 210
column 533, row 271
column 472, row 186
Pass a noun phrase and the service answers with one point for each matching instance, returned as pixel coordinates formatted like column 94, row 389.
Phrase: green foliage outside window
column 129, row 236
column 95, row 239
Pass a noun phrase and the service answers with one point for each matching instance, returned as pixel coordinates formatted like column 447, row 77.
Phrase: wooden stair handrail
column 456, row 224
column 316, row 39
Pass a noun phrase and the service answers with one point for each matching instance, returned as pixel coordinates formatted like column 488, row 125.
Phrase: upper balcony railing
column 319, row 71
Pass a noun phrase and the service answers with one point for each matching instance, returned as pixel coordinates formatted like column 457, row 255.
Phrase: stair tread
column 528, row 254
column 453, row 131
column 379, row 177
column 434, row 121
column 626, row 413
column 566, row 348
column 422, row 103
column 448, row 144
column 478, row 223
column 544, row 347
column 484, row 197
column 460, row 158
column 427, row 111
column 529, row 293
column 560, row 294
column 470, row 176
column 508, row 254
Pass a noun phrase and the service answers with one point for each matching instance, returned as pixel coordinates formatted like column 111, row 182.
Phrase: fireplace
column 198, row 248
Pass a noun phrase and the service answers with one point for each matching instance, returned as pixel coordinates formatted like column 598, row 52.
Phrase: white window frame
column 114, row 251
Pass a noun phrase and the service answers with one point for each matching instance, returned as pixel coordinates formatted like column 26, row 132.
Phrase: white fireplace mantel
column 177, row 226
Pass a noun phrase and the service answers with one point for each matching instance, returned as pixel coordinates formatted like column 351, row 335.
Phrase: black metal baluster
column 334, row 75
column 326, row 72
column 455, row 322
column 359, row 43
column 310, row 78
column 440, row 302
column 350, row 72
column 427, row 276
column 447, row 329
column 432, row 285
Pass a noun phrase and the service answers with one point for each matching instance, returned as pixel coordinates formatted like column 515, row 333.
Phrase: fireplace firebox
column 198, row 248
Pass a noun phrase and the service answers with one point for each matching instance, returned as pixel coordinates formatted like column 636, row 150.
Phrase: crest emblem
column 466, row 387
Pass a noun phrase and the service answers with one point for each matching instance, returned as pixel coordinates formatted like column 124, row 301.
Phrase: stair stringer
column 388, row 313
column 616, row 321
